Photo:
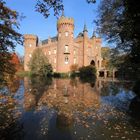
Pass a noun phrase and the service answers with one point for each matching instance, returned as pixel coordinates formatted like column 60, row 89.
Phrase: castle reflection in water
column 65, row 93
column 68, row 93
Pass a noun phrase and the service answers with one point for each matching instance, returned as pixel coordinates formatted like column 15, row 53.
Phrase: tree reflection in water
column 10, row 127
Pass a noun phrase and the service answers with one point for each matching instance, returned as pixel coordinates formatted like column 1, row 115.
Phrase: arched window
column 66, row 49
column 92, row 63
column 66, row 60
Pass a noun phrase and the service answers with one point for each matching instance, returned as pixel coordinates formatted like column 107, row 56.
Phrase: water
column 67, row 109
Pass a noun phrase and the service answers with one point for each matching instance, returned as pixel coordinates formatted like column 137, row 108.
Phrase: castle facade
column 64, row 50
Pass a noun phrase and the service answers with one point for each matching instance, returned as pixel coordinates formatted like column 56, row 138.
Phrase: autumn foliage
column 15, row 61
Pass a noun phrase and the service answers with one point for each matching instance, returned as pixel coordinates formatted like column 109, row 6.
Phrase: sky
column 35, row 23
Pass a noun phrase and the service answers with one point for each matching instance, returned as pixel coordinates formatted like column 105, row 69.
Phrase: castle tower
column 85, row 31
column 65, row 28
column 85, row 38
column 97, row 49
column 30, row 43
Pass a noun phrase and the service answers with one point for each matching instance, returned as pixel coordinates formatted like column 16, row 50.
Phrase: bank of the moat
column 67, row 109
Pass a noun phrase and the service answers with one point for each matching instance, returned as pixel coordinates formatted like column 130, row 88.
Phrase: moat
column 67, row 109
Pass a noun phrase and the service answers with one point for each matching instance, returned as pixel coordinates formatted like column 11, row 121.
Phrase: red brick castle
column 64, row 50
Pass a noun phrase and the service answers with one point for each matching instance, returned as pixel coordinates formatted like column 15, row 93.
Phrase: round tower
column 65, row 29
column 30, row 43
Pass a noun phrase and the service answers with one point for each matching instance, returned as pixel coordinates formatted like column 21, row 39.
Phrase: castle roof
column 80, row 35
column 53, row 39
column 94, row 34
column 85, row 28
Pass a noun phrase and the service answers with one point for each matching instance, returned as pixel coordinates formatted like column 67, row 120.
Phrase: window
column 54, row 60
column 74, row 60
column 59, row 34
column 30, row 55
column 30, row 45
column 54, row 51
column 71, row 34
column 66, row 60
column 49, row 52
column 66, row 48
column 74, row 52
column 66, row 33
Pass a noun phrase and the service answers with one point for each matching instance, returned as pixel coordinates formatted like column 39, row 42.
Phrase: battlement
column 30, row 36
column 65, row 20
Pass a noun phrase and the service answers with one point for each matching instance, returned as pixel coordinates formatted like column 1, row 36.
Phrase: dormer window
column 66, row 33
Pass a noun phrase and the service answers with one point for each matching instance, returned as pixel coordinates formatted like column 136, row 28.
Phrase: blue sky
column 35, row 23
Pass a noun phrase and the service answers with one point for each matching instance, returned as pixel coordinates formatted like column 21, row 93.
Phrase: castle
column 64, row 50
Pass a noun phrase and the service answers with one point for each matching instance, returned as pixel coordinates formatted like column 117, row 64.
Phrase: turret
column 30, row 43
column 94, row 34
column 96, row 41
column 30, row 40
column 85, row 38
column 65, row 28
column 85, row 31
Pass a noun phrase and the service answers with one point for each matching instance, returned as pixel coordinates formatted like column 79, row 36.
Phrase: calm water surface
column 67, row 109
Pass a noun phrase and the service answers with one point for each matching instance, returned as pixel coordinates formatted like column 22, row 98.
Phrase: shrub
column 87, row 71
column 56, row 75
column 61, row 75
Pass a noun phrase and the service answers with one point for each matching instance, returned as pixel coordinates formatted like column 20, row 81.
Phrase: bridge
column 102, row 72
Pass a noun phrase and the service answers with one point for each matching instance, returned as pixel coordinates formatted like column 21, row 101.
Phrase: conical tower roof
column 85, row 28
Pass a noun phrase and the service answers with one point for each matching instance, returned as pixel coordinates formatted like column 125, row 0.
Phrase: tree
column 87, row 71
column 39, row 64
column 44, row 6
column 119, row 23
column 88, row 74
column 15, row 61
column 105, row 53
column 9, row 38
